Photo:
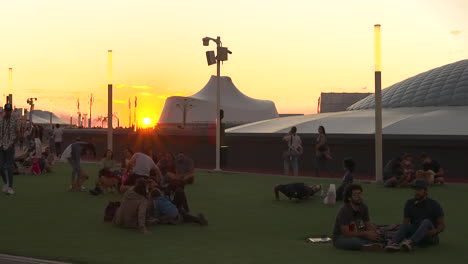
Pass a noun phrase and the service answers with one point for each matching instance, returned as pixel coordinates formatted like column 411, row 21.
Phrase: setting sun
column 146, row 121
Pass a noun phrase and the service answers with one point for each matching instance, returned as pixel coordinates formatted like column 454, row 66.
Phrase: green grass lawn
column 246, row 225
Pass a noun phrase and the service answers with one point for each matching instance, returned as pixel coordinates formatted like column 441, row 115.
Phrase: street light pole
column 109, row 99
column 218, row 102
column 378, row 107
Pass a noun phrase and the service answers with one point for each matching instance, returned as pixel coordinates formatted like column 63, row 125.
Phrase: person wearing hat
column 423, row 221
column 8, row 136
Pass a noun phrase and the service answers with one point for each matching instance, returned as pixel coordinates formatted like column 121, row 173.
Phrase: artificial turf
column 246, row 224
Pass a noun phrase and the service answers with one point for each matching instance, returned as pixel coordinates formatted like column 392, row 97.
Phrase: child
column 35, row 168
column 167, row 213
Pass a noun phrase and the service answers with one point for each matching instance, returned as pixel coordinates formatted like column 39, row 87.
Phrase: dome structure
column 431, row 103
column 443, row 86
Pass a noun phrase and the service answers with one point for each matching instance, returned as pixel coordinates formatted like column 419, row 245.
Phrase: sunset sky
column 284, row 51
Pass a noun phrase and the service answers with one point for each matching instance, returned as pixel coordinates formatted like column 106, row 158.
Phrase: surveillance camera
column 206, row 41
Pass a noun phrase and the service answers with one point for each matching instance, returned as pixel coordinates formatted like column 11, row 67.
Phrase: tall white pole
column 10, row 86
column 109, row 100
column 218, row 102
column 378, row 107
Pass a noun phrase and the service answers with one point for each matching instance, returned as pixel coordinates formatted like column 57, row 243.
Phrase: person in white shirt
column 291, row 155
column 58, row 138
column 140, row 166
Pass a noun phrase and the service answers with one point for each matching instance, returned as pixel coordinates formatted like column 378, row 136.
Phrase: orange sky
column 284, row 51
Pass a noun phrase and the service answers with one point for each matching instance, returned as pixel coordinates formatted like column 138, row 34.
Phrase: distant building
column 336, row 102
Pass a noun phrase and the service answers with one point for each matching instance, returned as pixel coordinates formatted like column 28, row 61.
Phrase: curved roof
column 443, row 86
column 444, row 120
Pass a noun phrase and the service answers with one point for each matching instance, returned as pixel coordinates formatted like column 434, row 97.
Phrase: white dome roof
column 443, row 86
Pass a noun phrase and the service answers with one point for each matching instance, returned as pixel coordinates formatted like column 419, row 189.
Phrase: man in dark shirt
column 428, row 164
column 422, row 223
column 353, row 229
column 297, row 190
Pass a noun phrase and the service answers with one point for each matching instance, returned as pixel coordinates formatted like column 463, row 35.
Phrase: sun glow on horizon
column 146, row 121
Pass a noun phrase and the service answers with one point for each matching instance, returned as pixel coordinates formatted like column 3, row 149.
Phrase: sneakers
column 392, row 247
column 5, row 188
column 372, row 247
column 10, row 191
column 407, row 245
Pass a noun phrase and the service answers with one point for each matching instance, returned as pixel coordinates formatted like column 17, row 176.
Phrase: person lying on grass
column 167, row 213
column 353, row 229
column 297, row 190
column 423, row 221
column 132, row 212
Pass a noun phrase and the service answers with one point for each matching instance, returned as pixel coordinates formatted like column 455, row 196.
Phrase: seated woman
column 407, row 167
column 348, row 178
column 167, row 212
column 47, row 160
column 132, row 212
column 108, row 177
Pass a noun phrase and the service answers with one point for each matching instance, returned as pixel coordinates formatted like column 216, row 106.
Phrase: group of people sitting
column 423, row 221
column 423, row 217
column 153, row 188
column 34, row 161
column 402, row 171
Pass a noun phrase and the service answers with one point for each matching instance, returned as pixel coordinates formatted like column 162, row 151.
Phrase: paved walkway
column 8, row 259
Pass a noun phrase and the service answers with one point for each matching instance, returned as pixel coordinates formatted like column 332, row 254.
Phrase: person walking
column 322, row 152
column 8, row 136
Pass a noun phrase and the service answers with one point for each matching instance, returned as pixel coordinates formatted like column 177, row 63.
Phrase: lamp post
column 221, row 55
column 91, row 101
column 378, row 106
column 109, row 99
column 184, row 106
column 10, row 86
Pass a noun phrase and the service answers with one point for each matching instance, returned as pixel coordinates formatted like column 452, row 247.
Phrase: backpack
column 110, row 211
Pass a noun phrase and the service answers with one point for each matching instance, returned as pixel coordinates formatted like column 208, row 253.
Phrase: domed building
column 431, row 103
column 425, row 113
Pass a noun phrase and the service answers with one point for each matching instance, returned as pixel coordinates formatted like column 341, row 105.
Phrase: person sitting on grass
column 348, row 178
column 167, row 213
column 297, row 190
column 392, row 172
column 132, row 212
column 184, row 168
column 428, row 164
column 408, row 172
column 108, row 178
column 140, row 165
column 353, row 229
column 423, row 221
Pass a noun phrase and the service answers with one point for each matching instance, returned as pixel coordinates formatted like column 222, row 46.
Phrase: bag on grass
column 330, row 199
column 110, row 211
